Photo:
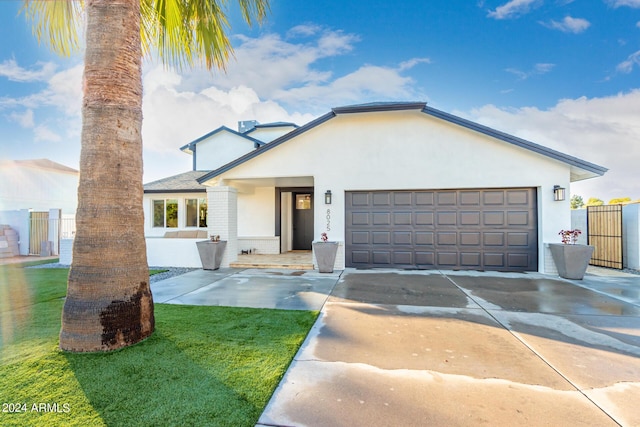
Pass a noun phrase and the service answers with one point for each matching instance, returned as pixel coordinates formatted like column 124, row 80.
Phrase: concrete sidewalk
column 417, row 348
column 256, row 288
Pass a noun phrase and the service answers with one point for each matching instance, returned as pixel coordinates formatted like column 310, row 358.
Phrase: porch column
column 222, row 219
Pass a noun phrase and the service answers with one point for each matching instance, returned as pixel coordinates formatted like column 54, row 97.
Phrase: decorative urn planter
column 325, row 253
column 571, row 260
column 211, row 253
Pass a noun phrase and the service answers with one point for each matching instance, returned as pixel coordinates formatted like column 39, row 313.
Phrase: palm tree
column 109, row 303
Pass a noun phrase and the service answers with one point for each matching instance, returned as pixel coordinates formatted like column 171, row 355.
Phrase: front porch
column 293, row 260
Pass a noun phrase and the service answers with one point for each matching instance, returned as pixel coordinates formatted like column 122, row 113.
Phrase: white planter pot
column 325, row 253
column 571, row 260
column 211, row 253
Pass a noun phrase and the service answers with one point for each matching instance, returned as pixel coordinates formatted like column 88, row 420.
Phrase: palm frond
column 56, row 23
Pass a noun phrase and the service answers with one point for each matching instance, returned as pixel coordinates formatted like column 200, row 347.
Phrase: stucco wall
column 23, row 187
column 631, row 239
column 219, row 149
column 409, row 150
column 270, row 133
column 256, row 212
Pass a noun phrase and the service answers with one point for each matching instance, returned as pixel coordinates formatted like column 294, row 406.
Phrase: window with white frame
column 165, row 213
column 196, row 213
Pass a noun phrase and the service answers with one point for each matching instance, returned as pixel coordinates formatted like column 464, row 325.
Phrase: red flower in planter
column 570, row 237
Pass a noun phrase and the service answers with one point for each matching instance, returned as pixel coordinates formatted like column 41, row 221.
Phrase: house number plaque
column 328, row 219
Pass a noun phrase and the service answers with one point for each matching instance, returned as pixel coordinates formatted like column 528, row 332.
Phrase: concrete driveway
column 416, row 348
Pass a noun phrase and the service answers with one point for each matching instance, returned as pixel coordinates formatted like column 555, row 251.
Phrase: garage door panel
column 402, row 238
column 403, row 258
column 518, row 260
column 402, row 198
column 360, row 257
column 493, row 218
column 494, row 238
column 483, row 229
column 493, row 198
column 447, row 259
column 424, row 237
column 470, row 259
column 381, row 199
column 424, row 218
column 517, row 218
column 425, row 198
column 470, row 198
column 518, row 239
column 470, row 239
column 517, row 197
column 381, row 257
column 360, row 199
column 447, row 218
column 446, row 198
column 381, row 218
column 360, row 237
column 360, row 218
column 447, row 238
column 402, row 218
column 381, row 237
column 494, row 260
column 470, row 218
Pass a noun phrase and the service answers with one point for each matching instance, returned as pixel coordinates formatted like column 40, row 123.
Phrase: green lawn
column 213, row 366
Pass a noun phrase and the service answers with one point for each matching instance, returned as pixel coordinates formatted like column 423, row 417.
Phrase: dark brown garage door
column 472, row 229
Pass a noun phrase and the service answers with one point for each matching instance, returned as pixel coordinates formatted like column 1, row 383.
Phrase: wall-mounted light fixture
column 327, row 197
column 558, row 193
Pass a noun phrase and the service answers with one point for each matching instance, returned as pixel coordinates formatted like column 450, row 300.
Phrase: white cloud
column 513, row 9
column 604, row 131
column 269, row 63
column 619, row 3
column 24, row 119
column 271, row 80
column 538, row 69
column 12, row 71
column 45, row 134
column 174, row 117
column 406, row 65
column 569, row 25
column 626, row 66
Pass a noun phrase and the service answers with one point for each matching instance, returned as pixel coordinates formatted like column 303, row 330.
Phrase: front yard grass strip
column 214, row 366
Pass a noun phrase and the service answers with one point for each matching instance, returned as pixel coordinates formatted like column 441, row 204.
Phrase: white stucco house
column 38, row 199
column 38, row 184
column 398, row 185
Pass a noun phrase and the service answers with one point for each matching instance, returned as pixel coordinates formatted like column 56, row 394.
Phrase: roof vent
column 245, row 126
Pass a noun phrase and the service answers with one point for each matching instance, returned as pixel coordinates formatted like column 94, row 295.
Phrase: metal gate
column 604, row 230
column 38, row 231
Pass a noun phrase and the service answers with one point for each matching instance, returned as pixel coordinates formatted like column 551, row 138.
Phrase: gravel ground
column 171, row 271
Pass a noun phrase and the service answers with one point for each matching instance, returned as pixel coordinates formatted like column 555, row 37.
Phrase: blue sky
column 562, row 73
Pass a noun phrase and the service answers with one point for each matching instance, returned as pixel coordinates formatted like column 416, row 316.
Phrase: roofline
column 215, row 131
column 422, row 106
column 523, row 143
column 274, row 125
column 369, row 108
column 267, row 147
column 199, row 190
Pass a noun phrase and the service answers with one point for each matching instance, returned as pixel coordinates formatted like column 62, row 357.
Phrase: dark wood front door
column 302, row 221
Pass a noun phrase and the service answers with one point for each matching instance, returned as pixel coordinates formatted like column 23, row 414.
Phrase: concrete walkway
column 417, row 348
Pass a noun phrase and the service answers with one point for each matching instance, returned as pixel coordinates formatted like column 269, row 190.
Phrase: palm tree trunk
column 109, row 303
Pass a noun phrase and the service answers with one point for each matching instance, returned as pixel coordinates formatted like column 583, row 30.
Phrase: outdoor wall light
column 558, row 193
column 327, row 197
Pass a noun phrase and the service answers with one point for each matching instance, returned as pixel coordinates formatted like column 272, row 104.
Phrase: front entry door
column 302, row 221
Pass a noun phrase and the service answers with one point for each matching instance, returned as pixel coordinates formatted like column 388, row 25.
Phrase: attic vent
column 245, row 126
